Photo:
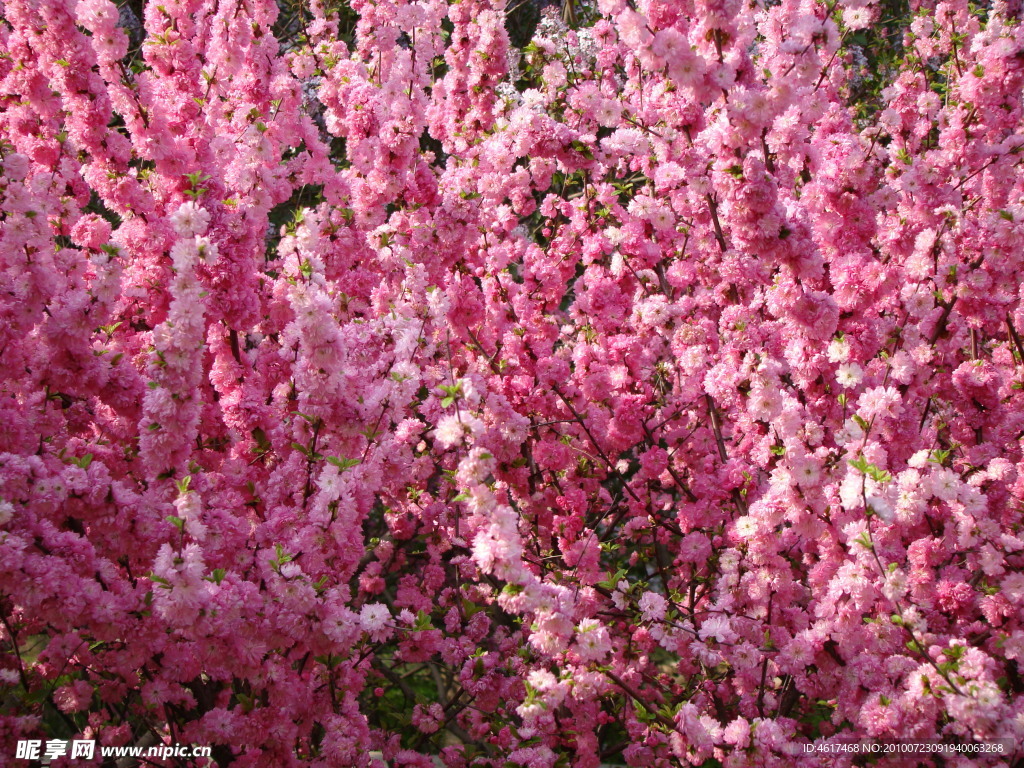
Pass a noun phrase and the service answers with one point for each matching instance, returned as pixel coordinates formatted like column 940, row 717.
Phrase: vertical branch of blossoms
column 463, row 100
column 171, row 410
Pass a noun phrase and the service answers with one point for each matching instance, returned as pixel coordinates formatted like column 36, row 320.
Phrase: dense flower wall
column 645, row 388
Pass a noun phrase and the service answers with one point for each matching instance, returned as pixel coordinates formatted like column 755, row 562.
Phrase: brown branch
column 1015, row 337
column 940, row 325
column 716, row 426
column 719, row 234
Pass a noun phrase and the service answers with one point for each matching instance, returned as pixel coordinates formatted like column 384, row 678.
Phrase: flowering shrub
column 643, row 388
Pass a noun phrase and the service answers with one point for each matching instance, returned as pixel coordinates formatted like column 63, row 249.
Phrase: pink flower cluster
column 374, row 390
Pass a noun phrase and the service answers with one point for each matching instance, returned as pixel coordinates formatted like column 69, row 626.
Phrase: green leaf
column 613, row 581
column 83, row 462
column 281, row 558
column 865, row 540
column 876, row 473
column 343, row 464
